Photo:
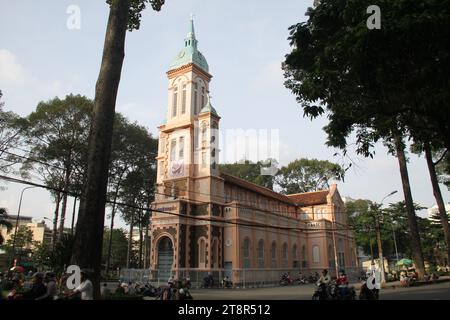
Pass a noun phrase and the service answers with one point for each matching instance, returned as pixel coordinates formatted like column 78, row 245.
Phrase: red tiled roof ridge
column 258, row 188
column 309, row 192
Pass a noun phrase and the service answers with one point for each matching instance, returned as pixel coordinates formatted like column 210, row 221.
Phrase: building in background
column 434, row 210
column 39, row 229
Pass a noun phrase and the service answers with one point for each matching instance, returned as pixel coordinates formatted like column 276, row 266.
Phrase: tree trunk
column 380, row 247
column 87, row 252
column 64, row 200
column 147, row 249
column 438, row 196
column 55, row 220
column 412, row 221
column 130, row 241
column 73, row 215
column 108, row 257
column 141, row 242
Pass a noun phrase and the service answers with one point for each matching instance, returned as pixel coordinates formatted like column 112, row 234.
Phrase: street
column 440, row 291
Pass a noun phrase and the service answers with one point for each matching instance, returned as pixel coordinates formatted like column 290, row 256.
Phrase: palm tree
column 4, row 223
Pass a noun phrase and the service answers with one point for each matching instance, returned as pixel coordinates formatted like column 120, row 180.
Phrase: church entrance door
column 165, row 258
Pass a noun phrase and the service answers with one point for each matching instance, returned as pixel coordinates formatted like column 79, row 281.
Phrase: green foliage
column 361, row 215
column 304, row 175
column 62, row 252
column 374, row 82
column 443, row 170
column 118, row 248
column 4, row 223
column 136, row 8
column 57, row 132
column 11, row 126
column 249, row 171
column 23, row 238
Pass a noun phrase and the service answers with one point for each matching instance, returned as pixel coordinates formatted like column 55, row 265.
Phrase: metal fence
column 241, row 278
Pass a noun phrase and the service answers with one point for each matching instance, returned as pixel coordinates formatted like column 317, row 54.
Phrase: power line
column 184, row 190
column 265, row 226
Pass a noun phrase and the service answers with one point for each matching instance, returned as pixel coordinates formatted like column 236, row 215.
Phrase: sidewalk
column 396, row 284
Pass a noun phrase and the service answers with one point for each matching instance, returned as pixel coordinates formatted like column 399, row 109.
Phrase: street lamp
column 380, row 248
column 13, row 252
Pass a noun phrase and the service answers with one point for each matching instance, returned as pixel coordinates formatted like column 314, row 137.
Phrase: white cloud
column 11, row 72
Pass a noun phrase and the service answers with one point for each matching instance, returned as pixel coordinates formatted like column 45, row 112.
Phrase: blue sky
column 244, row 43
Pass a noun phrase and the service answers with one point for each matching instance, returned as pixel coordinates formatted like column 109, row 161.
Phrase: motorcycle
column 286, row 280
column 321, row 292
column 368, row 294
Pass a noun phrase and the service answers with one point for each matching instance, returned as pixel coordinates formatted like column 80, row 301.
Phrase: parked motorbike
column 286, row 280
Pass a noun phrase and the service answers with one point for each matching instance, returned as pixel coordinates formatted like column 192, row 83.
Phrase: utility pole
column 379, row 244
column 377, row 209
column 13, row 251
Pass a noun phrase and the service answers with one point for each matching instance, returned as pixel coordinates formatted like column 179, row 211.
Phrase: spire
column 208, row 107
column 191, row 30
column 190, row 40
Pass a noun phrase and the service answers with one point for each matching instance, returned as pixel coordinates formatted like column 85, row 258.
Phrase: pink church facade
column 207, row 221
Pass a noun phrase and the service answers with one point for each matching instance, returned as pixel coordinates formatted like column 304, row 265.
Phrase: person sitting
column 226, row 282
column 50, row 284
column 342, row 283
column 38, row 288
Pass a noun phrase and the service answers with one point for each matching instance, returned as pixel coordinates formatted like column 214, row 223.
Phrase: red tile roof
column 255, row 187
column 309, row 198
column 298, row 199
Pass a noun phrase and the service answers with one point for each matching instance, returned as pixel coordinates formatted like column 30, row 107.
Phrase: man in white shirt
column 85, row 288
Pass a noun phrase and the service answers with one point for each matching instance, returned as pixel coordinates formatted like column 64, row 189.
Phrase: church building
column 205, row 221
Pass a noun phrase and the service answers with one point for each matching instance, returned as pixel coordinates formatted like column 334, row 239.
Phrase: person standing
column 86, row 289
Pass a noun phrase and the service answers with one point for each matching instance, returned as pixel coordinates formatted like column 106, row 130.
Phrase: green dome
column 190, row 53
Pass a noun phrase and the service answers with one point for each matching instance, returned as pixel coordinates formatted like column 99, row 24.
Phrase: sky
column 45, row 53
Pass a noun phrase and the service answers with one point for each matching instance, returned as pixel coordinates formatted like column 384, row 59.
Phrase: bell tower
column 188, row 181
column 188, row 144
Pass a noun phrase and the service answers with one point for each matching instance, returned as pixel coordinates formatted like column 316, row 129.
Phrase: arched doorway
column 165, row 258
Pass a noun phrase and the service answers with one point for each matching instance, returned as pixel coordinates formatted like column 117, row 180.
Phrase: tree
column 305, row 175
column 426, row 147
column 89, row 231
column 249, row 171
column 118, row 252
column 57, row 132
column 10, row 138
column 20, row 243
column 443, row 171
column 4, row 223
column 375, row 83
column 134, row 152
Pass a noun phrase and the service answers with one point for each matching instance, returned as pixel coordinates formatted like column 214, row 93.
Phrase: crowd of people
column 43, row 286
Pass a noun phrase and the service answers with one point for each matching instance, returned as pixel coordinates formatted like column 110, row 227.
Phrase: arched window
column 195, row 98
column 331, row 262
column 273, row 254
column 204, row 132
column 261, row 254
column 303, row 257
column 203, row 98
column 285, row 255
column 202, row 253
column 341, row 253
column 183, row 102
column 246, row 253
column 316, row 254
column 294, row 256
column 175, row 102
column 215, row 253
